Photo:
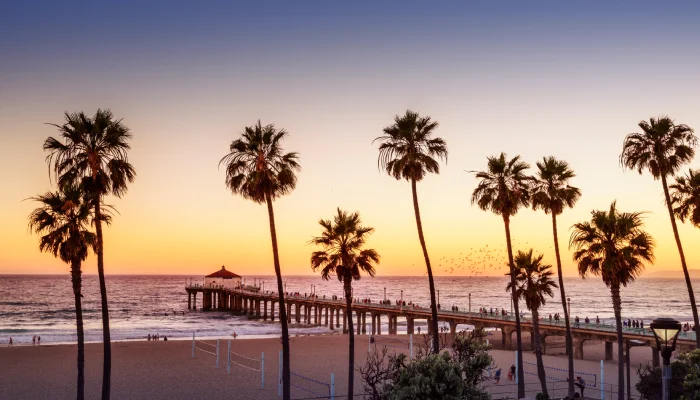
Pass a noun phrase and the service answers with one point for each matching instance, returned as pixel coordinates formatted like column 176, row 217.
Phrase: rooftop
column 223, row 273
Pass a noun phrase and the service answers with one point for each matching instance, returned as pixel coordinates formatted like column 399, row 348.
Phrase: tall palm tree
column 63, row 221
column 552, row 194
column 504, row 188
column 408, row 150
column 258, row 169
column 342, row 240
column 93, row 154
column 685, row 196
column 663, row 147
column 614, row 246
column 532, row 282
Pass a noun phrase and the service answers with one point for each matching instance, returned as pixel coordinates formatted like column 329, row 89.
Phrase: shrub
column 454, row 374
column 685, row 378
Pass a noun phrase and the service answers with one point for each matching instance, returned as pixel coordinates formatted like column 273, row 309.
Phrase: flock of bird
column 486, row 260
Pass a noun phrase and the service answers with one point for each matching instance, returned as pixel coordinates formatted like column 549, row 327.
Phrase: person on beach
column 38, row 340
column 498, row 376
column 597, row 320
column 148, row 337
column 235, row 335
column 581, row 384
column 419, row 330
column 34, row 339
column 10, row 340
column 165, row 338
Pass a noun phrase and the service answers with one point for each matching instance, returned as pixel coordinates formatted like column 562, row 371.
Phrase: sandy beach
column 166, row 370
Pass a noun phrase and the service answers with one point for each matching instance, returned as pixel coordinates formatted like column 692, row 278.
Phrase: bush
column 685, row 378
column 453, row 375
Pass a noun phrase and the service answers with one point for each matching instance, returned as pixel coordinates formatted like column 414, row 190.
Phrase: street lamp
column 568, row 300
column 666, row 332
column 438, row 304
column 385, row 294
column 470, row 303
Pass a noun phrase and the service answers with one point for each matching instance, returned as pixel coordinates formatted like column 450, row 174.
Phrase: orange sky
column 534, row 85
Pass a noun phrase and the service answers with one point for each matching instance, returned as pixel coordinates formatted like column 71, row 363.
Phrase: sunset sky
column 568, row 79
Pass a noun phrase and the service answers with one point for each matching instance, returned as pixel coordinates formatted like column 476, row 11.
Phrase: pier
column 330, row 313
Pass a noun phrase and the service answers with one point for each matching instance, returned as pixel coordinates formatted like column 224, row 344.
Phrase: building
column 223, row 278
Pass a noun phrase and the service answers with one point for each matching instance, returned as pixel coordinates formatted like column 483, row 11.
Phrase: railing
column 525, row 317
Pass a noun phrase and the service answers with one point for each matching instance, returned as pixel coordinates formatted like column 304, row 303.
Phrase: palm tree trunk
column 567, row 321
column 693, row 307
column 347, row 282
column 286, row 377
column 75, row 275
column 617, row 307
column 538, row 350
column 106, row 337
column 518, row 331
column 431, row 282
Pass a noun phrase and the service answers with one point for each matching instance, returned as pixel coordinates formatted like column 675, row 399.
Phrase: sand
column 166, row 370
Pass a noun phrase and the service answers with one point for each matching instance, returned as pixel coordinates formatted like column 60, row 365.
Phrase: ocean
column 141, row 305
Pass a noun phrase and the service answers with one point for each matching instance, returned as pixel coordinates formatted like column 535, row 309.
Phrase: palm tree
column 94, row 155
column 503, row 189
column 663, row 148
column 614, row 246
column 408, row 151
column 258, row 169
column 342, row 240
column 532, row 282
column 552, row 194
column 685, row 196
column 63, row 221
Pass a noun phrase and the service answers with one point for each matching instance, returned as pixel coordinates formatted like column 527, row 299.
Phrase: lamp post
column 666, row 332
column 568, row 302
column 438, row 304
column 402, row 297
column 470, row 303
column 385, row 294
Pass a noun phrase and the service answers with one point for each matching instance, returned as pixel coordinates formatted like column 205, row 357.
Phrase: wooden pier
column 327, row 312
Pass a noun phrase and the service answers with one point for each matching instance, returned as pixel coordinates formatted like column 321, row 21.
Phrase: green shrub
column 685, row 378
column 455, row 374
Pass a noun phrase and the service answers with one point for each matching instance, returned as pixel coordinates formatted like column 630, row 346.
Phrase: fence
column 239, row 360
column 556, row 389
column 552, row 376
column 310, row 387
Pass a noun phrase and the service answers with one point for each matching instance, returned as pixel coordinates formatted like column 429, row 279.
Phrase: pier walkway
column 327, row 312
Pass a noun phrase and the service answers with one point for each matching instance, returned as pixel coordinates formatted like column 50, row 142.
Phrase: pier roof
column 223, row 273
